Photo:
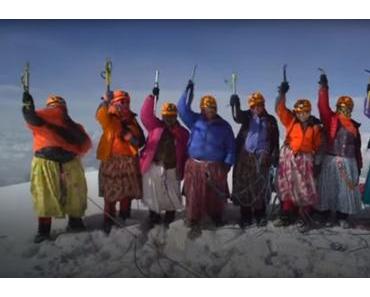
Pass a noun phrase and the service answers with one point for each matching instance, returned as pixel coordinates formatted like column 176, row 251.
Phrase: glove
column 107, row 96
column 27, row 98
column 368, row 89
column 234, row 100
column 155, row 91
column 190, row 86
column 323, row 80
column 284, row 87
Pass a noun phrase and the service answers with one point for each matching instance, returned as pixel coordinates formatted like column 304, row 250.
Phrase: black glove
column 368, row 144
column 155, row 91
column 368, row 89
column 190, row 86
column 27, row 98
column 284, row 87
column 323, row 80
column 234, row 100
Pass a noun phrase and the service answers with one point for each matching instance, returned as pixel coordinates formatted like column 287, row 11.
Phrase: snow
column 129, row 252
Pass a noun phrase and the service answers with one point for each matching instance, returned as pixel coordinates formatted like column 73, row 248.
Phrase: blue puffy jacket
column 209, row 140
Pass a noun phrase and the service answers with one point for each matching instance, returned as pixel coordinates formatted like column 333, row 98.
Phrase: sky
column 67, row 56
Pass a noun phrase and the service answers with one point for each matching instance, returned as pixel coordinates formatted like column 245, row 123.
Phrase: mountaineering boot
column 284, row 220
column 245, row 217
column 195, row 231
column 154, row 217
column 75, row 225
column 169, row 217
column 261, row 217
column 261, row 221
column 107, row 225
column 43, row 231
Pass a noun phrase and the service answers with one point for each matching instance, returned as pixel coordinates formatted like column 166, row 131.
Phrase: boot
column 75, row 225
column 245, row 217
column 195, row 230
column 107, row 225
column 218, row 220
column 284, row 220
column 332, row 220
column 43, row 231
column 154, row 217
column 261, row 218
column 169, row 217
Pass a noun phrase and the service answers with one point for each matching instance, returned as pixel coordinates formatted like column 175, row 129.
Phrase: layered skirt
column 120, row 178
column 339, row 185
column 251, row 182
column 205, row 188
column 58, row 189
column 161, row 189
column 295, row 180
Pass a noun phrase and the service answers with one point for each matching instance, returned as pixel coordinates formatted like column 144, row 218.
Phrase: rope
column 159, row 253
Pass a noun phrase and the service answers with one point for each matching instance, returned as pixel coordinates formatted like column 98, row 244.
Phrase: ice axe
column 284, row 72
column 234, row 78
column 156, row 85
column 322, row 71
column 25, row 78
column 233, row 82
column 192, row 77
column 106, row 74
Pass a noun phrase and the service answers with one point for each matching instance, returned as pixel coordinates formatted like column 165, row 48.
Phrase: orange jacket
column 299, row 139
column 111, row 142
column 44, row 137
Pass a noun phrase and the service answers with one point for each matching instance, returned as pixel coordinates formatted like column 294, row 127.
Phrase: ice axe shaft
column 25, row 78
column 322, row 71
column 156, row 79
column 192, row 77
column 233, row 82
column 107, row 74
column 284, row 72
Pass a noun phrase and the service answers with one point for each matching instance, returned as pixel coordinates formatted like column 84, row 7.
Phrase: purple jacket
column 155, row 129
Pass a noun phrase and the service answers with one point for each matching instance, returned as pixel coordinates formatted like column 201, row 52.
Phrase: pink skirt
column 295, row 178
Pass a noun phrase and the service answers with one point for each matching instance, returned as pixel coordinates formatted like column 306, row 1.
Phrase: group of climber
column 317, row 167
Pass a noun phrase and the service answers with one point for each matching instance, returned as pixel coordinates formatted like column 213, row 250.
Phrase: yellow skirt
column 55, row 194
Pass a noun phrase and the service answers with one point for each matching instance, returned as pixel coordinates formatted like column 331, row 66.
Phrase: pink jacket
column 155, row 129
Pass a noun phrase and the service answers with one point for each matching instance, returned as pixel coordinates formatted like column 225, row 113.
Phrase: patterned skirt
column 251, row 184
column 295, row 179
column 120, row 178
column 338, row 185
column 161, row 189
column 205, row 188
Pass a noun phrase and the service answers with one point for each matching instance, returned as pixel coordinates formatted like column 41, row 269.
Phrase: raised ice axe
column 106, row 74
column 284, row 72
column 192, row 77
column 25, row 78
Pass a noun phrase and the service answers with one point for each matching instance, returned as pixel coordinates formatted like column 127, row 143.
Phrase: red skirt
column 205, row 188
